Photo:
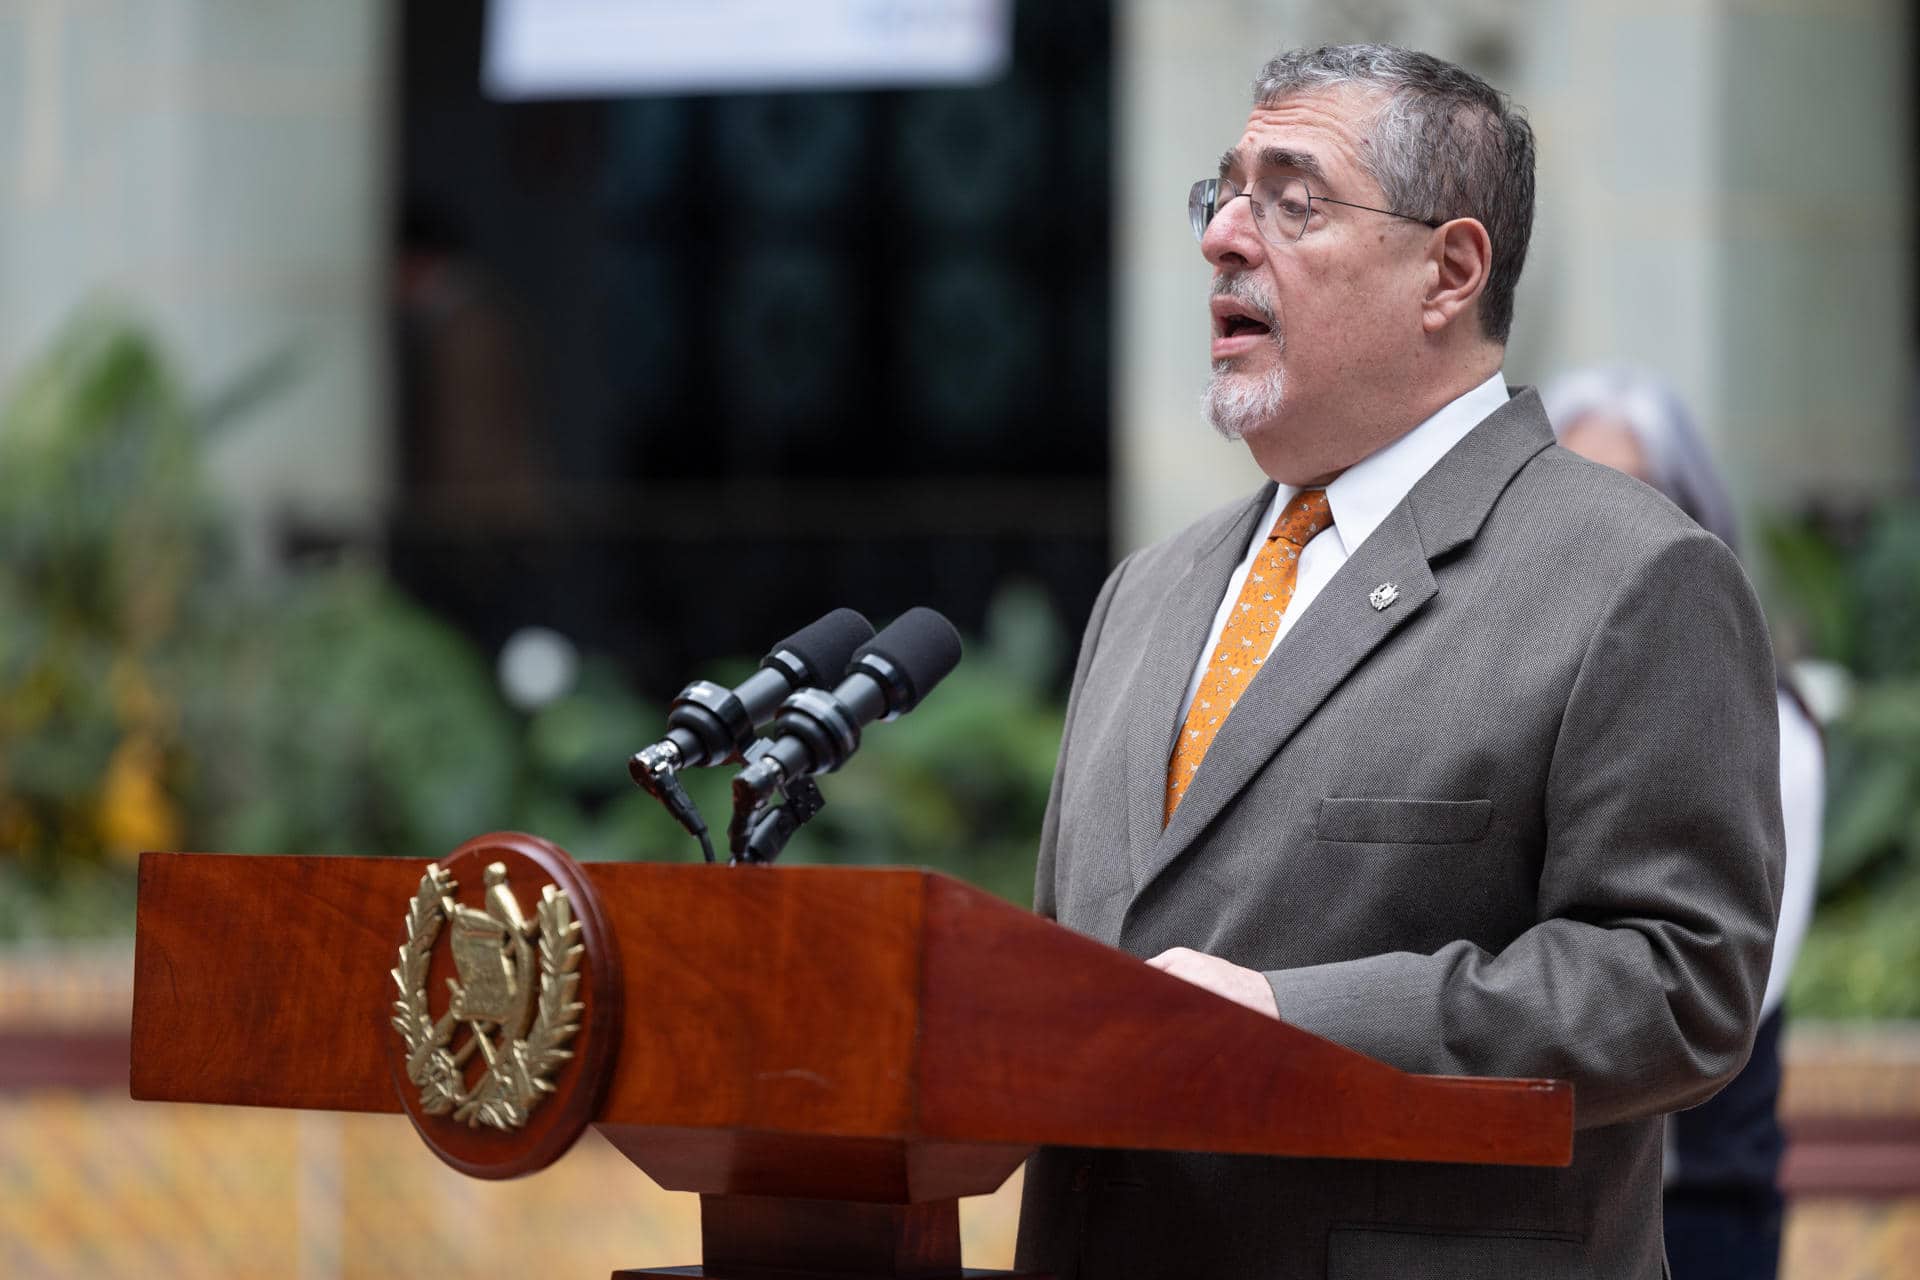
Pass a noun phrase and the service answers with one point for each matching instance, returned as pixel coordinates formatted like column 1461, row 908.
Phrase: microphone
column 816, row 731
column 708, row 724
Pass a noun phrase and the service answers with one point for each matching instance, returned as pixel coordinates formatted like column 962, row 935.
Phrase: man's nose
column 1232, row 238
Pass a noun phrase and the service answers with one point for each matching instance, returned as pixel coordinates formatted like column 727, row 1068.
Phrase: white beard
column 1237, row 403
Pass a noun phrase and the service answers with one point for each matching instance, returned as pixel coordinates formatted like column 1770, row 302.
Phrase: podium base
column 709, row 1273
column 769, row 1238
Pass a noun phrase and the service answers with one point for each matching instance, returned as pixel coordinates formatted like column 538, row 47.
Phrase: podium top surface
column 824, row 1002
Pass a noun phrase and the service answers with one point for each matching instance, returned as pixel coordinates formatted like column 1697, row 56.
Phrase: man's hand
column 1242, row 986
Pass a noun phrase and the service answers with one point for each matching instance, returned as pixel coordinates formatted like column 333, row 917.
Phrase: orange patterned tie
column 1248, row 636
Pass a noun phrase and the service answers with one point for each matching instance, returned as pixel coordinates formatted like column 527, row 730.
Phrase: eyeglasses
column 1281, row 207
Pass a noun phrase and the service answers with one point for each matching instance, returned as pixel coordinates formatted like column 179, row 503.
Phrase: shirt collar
column 1363, row 494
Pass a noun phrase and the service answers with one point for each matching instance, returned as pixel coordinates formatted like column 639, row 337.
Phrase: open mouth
column 1238, row 329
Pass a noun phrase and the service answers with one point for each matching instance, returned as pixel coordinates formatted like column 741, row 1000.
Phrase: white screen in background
column 607, row 48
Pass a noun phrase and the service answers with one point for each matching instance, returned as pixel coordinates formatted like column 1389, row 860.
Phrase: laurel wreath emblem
column 521, row 1070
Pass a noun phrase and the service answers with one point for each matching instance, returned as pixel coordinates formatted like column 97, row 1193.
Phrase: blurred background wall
column 378, row 452
column 221, row 167
column 1725, row 195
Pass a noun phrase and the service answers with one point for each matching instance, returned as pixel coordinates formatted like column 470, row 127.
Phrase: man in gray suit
column 1447, row 745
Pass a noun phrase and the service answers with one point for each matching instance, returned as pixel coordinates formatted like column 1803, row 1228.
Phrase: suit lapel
column 1337, row 633
column 1179, row 631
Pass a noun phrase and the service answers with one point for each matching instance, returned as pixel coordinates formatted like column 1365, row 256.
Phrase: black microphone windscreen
column 922, row 644
column 827, row 645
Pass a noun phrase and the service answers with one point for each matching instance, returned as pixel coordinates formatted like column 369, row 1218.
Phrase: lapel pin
column 1383, row 595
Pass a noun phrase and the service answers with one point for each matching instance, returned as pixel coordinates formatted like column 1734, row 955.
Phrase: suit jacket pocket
column 1356, row 820
column 1368, row 1253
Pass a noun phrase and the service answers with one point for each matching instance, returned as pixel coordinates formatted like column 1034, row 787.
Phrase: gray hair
column 1445, row 144
column 1677, row 457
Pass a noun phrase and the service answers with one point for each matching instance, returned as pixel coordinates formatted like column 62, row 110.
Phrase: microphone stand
column 758, row 833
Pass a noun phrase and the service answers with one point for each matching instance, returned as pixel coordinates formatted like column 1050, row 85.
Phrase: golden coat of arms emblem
column 513, row 1003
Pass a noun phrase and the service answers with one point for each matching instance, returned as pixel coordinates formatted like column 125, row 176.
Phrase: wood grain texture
column 752, row 1163
column 262, row 981
column 894, row 1007
column 780, row 999
column 1031, row 1033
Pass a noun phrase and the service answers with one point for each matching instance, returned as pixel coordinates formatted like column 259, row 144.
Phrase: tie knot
column 1305, row 514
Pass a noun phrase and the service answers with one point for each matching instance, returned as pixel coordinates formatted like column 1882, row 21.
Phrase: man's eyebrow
column 1301, row 162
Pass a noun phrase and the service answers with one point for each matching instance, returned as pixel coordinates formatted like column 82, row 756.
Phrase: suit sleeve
column 1044, row 900
column 1659, row 884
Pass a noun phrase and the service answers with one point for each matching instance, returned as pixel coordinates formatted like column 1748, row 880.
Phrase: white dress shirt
column 1802, row 800
column 1361, row 496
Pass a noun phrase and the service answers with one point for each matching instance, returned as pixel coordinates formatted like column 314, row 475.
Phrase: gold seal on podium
column 504, row 1006
column 492, row 1006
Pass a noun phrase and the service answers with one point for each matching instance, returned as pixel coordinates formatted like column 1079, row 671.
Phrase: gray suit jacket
column 1524, row 821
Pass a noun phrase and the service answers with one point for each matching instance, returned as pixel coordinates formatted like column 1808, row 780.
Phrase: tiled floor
column 103, row 1188
column 1849, row 1240
column 98, row 1187
column 92, row 1187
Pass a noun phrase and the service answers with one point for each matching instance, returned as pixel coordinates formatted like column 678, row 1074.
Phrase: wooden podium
column 830, row 1057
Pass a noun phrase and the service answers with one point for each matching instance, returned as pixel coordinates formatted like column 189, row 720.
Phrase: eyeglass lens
column 1280, row 206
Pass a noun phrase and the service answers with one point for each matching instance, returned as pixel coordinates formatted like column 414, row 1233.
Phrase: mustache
column 1241, row 288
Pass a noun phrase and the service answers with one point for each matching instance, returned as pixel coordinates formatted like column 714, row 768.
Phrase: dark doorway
column 678, row 374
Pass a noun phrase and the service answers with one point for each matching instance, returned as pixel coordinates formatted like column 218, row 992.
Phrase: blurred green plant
column 105, row 534
column 1854, row 600
column 154, row 697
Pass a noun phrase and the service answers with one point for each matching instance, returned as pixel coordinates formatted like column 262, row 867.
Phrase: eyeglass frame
column 1195, row 204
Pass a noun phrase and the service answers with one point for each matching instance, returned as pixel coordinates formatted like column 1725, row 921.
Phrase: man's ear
column 1460, row 254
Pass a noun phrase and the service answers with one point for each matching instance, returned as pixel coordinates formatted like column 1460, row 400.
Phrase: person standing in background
column 1722, row 1202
